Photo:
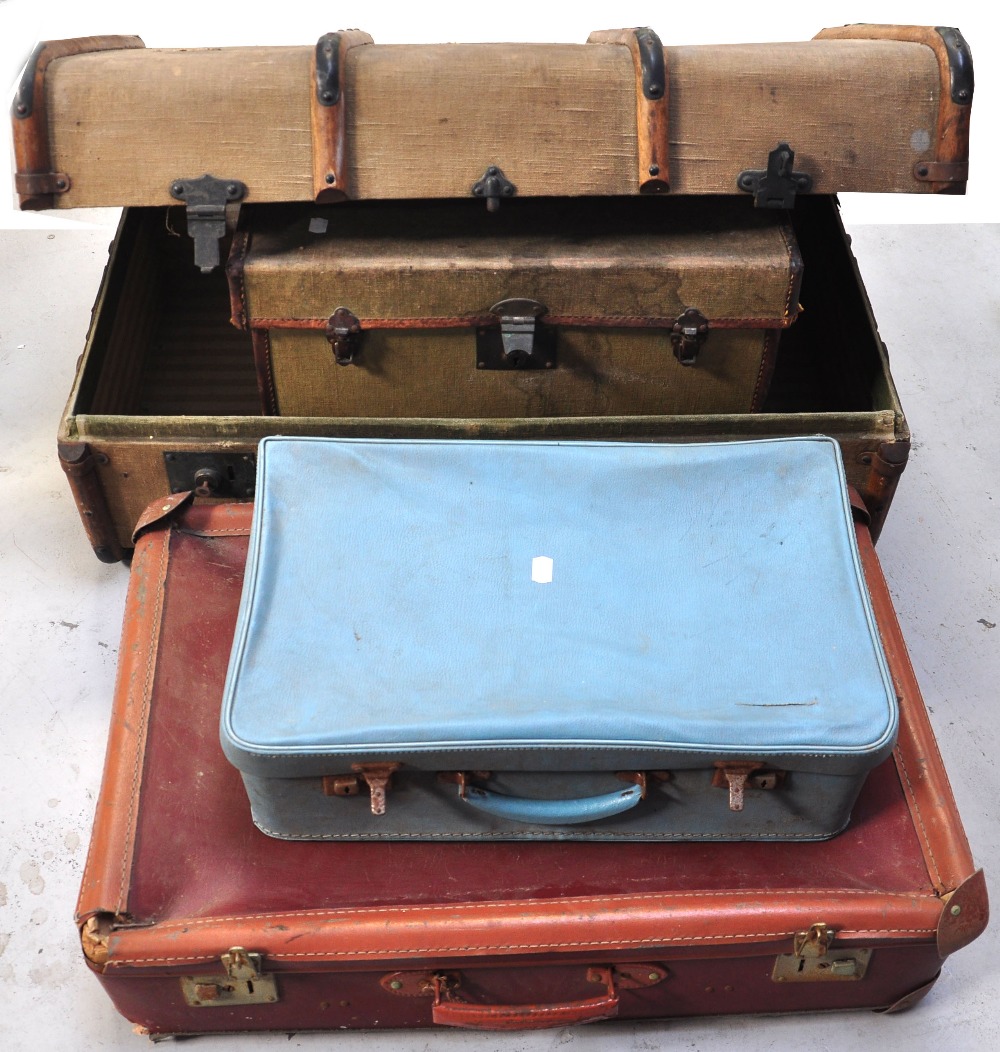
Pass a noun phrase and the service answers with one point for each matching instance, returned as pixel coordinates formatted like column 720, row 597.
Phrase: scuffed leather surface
column 517, row 921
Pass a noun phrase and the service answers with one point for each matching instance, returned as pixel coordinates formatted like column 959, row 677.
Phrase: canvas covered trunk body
column 166, row 395
column 545, row 309
column 554, row 640
column 870, row 108
column 194, row 921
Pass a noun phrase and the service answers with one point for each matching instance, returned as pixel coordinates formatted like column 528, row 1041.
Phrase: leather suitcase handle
column 552, row 812
column 447, row 1011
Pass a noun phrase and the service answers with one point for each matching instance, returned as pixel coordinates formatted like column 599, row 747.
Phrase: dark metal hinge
column 328, row 69
column 776, row 186
column 962, row 81
column 519, row 340
column 343, row 330
column 493, row 185
column 206, row 199
column 689, row 333
column 651, row 64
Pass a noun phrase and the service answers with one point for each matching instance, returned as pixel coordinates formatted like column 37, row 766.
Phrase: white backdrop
column 182, row 23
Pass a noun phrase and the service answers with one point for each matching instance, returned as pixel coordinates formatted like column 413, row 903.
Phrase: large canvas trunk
column 555, row 308
column 263, row 934
column 537, row 640
column 102, row 120
column 166, row 398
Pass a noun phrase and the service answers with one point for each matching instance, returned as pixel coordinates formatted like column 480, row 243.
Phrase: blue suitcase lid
column 553, row 605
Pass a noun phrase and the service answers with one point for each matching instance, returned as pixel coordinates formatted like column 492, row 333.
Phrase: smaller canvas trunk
column 532, row 640
column 544, row 309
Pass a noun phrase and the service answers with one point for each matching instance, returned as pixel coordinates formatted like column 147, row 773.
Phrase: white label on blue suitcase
column 541, row 569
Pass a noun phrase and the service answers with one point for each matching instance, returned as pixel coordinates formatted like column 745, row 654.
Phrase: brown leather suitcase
column 166, row 397
column 215, row 927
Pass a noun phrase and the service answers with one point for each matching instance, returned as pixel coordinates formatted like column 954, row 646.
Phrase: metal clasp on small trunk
column 343, row 330
column 689, row 333
column 519, row 341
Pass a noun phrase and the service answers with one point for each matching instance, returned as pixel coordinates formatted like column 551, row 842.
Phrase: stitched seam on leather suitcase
column 149, row 641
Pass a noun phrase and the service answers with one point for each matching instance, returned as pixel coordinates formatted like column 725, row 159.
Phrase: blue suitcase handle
column 552, row 812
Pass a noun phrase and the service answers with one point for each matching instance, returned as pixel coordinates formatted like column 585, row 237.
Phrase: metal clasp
column 738, row 777
column 378, row 776
column 813, row 960
column 343, row 330
column 689, row 333
column 777, row 186
column 206, row 199
column 493, row 185
column 520, row 342
column 242, row 984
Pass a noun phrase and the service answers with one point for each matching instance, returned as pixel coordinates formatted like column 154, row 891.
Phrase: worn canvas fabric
column 106, row 121
column 596, row 296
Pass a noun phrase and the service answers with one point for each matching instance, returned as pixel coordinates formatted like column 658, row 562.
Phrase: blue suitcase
column 589, row 641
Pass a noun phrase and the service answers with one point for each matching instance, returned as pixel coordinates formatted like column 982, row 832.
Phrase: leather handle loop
column 448, row 1011
column 552, row 812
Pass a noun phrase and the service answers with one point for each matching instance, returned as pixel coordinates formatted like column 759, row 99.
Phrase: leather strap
column 652, row 103
column 328, row 113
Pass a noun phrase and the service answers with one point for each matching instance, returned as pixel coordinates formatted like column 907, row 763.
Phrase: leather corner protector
column 95, row 932
column 907, row 1001
column 160, row 511
column 965, row 915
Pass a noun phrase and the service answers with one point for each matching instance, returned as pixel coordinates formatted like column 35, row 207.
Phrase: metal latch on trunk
column 493, row 185
column 243, row 983
column 777, row 185
column 814, row 960
column 688, row 335
column 343, row 330
column 206, row 199
column 519, row 340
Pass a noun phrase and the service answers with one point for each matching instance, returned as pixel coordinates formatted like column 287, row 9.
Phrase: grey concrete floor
column 935, row 294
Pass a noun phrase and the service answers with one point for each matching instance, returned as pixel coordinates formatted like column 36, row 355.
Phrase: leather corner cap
column 965, row 915
column 914, row 997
